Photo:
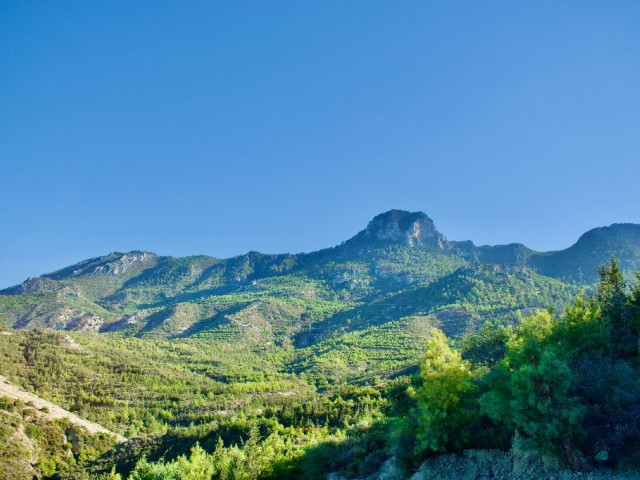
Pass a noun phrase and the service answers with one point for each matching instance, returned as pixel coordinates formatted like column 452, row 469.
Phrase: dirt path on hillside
column 10, row 390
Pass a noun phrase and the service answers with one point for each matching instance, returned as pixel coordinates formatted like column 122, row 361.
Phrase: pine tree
column 614, row 304
column 612, row 296
column 447, row 401
column 533, row 387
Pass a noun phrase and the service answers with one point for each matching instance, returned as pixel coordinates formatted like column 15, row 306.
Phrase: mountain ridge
column 414, row 229
column 307, row 299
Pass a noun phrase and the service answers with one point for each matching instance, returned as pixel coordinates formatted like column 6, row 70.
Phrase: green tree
column 533, row 391
column 617, row 307
column 146, row 470
column 199, row 466
column 446, row 403
column 582, row 329
column 612, row 293
column 633, row 314
column 113, row 475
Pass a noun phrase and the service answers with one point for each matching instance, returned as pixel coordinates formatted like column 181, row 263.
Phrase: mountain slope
column 50, row 410
column 259, row 299
column 579, row 262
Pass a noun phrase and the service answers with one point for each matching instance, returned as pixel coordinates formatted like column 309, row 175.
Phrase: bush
column 33, row 432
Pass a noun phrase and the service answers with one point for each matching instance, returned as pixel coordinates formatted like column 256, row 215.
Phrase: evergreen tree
column 614, row 303
column 533, row 389
column 446, row 403
column 611, row 294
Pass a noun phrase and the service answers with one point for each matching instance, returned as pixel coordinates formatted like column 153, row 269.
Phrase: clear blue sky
column 219, row 127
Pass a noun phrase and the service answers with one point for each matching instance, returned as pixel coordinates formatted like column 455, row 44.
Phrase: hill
column 262, row 298
column 307, row 348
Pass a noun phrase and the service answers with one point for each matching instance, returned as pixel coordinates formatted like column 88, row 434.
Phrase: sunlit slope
column 399, row 266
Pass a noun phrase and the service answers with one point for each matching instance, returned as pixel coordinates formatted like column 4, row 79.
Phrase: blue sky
column 219, row 127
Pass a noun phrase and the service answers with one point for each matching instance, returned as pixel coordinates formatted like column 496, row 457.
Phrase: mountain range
column 399, row 274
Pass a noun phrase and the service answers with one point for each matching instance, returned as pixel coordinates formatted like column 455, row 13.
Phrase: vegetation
column 31, row 443
column 564, row 384
column 293, row 366
column 445, row 402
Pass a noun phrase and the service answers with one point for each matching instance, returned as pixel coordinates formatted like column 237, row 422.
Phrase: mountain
column 399, row 273
column 579, row 262
column 171, row 352
column 398, row 227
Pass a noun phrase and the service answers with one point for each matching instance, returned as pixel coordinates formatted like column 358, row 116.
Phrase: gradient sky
column 219, row 127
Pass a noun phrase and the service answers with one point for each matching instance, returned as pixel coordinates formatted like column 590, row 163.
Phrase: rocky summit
column 414, row 229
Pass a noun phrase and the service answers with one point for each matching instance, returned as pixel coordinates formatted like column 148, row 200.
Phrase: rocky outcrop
column 112, row 264
column 123, row 263
column 389, row 470
column 488, row 464
column 126, row 322
column 401, row 228
column 34, row 285
column 69, row 318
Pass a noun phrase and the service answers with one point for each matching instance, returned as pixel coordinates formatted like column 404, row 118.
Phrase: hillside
column 360, row 308
column 310, row 351
column 50, row 410
column 40, row 438
column 397, row 261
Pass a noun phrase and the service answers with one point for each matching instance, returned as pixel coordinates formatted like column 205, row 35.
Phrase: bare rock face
column 124, row 262
column 399, row 227
column 34, row 285
column 42, row 285
column 127, row 321
column 69, row 318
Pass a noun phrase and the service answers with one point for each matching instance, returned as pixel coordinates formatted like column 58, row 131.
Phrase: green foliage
column 565, row 384
column 583, row 330
column 198, row 466
column 487, row 345
column 533, row 391
column 446, row 402
column 237, row 368
column 609, row 387
column 633, row 312
column 57, row 447
column 112, row 475
column 33, row 432
column 611, row 291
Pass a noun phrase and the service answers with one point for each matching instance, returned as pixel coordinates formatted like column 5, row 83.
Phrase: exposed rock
column 34, row 285
column 402, row 228
column 69, row 342
column 350, row 278
column 126, row 322
column 70, row 318
column 123, row 263
column 494, row 464
column 471, row 465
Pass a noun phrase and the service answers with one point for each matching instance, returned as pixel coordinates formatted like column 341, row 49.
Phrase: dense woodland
column 385, row 352
column 564, row 385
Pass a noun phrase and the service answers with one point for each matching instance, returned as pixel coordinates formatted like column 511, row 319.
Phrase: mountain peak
column 616, row 231
column 402, row 227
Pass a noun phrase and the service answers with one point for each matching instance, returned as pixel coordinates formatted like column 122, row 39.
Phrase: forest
column 563, row 386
